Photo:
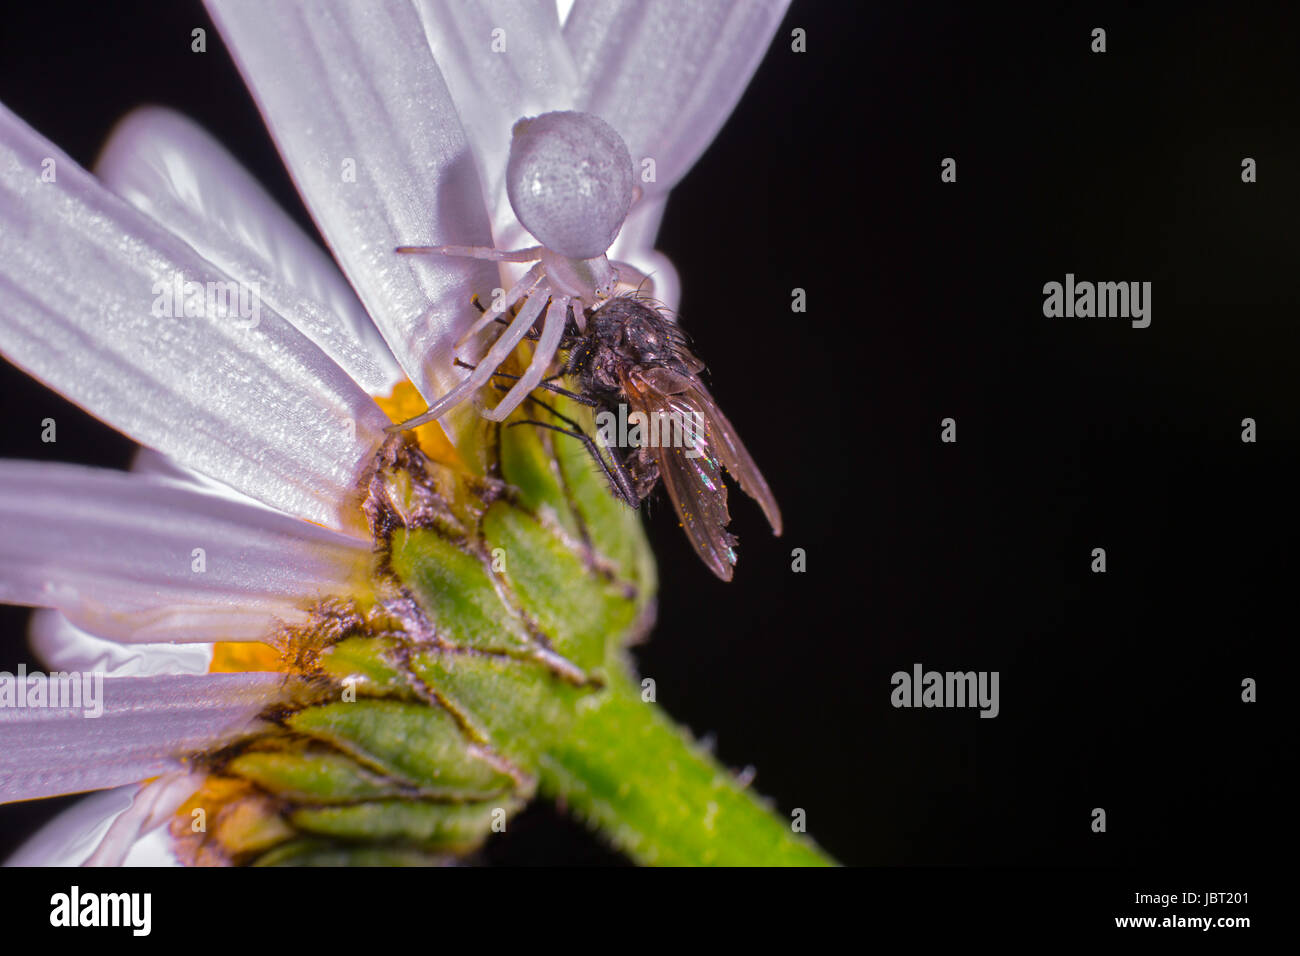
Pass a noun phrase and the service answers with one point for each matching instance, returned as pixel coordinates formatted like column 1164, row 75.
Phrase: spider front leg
column 536, row 283
column 531, row 254
column 532, row 283
column 500, row 350
column 545, row 383
column 552, row 332
column 502, row 304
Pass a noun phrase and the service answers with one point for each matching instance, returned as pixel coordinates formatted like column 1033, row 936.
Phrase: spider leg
column 545, row 383
column 543, row 354
column 532, row 335
column 483, row 371
column 530, row 283
column 531, row 254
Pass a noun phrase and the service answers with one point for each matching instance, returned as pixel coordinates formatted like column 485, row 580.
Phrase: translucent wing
column 698, row 494
column 722, row 440
column 693, row 474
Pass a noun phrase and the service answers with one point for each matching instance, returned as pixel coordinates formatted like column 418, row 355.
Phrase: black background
column 1119, row 690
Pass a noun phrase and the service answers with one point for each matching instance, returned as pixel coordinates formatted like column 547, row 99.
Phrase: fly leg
column 531, row 335
column 546, row 384
column 621, row 484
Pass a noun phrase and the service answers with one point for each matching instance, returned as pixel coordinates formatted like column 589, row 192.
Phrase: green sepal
column 431, row 826
column 312, row 777
column 412, row 742
column 311, row 852
column 457, row 591
column 367, row 664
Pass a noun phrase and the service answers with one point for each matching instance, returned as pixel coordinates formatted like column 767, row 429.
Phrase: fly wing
column 694, row 481
column 696, row 488
column 722, row 440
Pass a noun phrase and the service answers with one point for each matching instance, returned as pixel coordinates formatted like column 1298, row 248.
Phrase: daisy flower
column 288, row 636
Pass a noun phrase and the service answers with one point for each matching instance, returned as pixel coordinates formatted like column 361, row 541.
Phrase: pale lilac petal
column 116, row 552
column 667, row 73
column 148, row 725
column 502, row 60
column 257, row 406
column 168, row 166
column 367, row 129
column 62, row 646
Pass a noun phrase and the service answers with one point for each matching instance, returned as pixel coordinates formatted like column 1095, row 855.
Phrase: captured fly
column 633, row 359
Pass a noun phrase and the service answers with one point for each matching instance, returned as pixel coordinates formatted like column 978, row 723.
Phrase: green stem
column 627, row 769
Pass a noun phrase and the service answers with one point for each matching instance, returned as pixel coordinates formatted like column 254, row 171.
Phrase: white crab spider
column 569, row 181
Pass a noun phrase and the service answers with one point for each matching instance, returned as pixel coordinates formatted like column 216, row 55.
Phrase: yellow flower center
column 405, row 403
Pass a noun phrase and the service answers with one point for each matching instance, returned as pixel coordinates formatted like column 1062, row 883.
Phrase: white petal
column 148, row 725
column 635, row 246
column 365, row 124
column 71, row 837
column 153, row 849
column 75, row 833
column 502, row 60
column 152, row 806
column 116, row 552
column 147, row 461
column 62, row 646
column 260, row 408
column 667, row 73
column 169, row 167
